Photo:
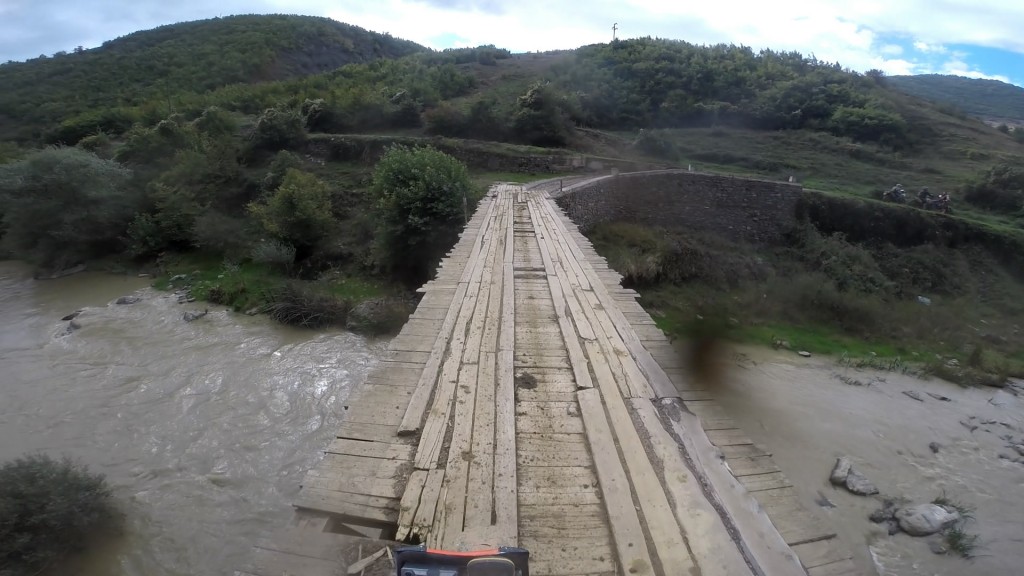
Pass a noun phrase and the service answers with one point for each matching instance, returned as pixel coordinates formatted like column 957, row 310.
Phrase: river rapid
column 808, row 412
column 204, row 429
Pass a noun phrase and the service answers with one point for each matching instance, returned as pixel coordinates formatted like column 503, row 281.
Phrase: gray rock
column 859, row 485
column 178, row 277
column 940, row 397
column 804, row 353
column 1019, row 448
column 894, row 527
column 925, row 519
column 914, row 395
column 935, row 447
column 840, row 471
column 191, row 316
column 882, row 514
column 252, row 311
column 124, row 300
column 71, row 316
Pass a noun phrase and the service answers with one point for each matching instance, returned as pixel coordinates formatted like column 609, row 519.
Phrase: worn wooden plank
column 615, row 489
column 795, row 522
column 557, row 359
column 710, row 541
column 728, row 437
column 744, row 451
column 506, row 526
column 550, row 498
column 744, row 466
column 363, row 465
column 563, row 479
column 359, row 508
column 368, row 432
column 769, row 481
column 480, row 489
column 841, row 568
column 822, row 552
column 423, row 520
column 369, row 486
column 410, row 503
column 546, row 425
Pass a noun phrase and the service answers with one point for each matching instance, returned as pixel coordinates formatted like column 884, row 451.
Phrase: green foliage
column 976, row 96
column 277, row 129
column 223, row 234
column 541, row 117
column 283, row 161
column 216, row 123
column 299, row 211
column 868, row 124
column 1001, row 190
column 63, row 205
column 49, row 508
column 421, row 196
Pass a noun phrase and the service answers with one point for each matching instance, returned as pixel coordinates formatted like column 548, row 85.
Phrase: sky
column 974, row 38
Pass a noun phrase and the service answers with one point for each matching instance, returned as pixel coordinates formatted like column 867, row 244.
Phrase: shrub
column 222, row 234
column 1001, row 189
column 65, row 205
column 298, row 304
column 216, row 122
column 49, row 508
column 298, row 213
column 421, row 194
column 283, row 161
column 540, row 118
column 274, row 253
column 278, row 128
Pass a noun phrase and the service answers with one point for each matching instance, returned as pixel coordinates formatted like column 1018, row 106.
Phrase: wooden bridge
column 530, row 401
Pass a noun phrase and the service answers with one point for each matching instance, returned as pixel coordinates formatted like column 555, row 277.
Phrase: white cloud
column 891, row 50
column 929, row 48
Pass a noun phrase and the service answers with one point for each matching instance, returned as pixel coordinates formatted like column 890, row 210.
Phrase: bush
column 283, row 161
column 49, row 508
column 298, row 304
column 216, row 122
column 278, row 128
column 421, row 194
column 221, row 233
column 1000, row 190
column 540, row 118
column 65, row 205
column 298, row 213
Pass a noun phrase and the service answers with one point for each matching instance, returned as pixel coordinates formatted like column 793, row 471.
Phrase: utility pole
column 615, row 28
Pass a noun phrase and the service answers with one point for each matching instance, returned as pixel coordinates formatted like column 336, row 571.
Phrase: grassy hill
column 145, row 69
column 984, row 98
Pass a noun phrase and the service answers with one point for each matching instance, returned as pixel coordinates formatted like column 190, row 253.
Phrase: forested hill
column 190, row 56
column 986, row 98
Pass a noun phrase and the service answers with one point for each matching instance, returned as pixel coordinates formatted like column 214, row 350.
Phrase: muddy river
column 803, row 413
column 204, row 429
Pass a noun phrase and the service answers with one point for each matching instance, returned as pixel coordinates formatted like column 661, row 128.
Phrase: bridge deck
column 531, row 401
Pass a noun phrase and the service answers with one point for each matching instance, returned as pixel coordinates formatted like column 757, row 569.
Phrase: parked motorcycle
column 897, row 195
column 938, row 204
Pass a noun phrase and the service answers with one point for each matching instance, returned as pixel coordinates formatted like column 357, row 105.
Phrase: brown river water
column 807, row 417
column 203, row 429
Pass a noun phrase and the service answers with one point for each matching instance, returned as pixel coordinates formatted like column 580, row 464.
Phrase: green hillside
column 146, row 68
column 985, row 98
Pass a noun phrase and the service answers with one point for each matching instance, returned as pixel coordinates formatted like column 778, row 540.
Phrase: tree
column 65, row 205
column 299, row 212
column 278, row 128
column 49, row 508
column 421, row 195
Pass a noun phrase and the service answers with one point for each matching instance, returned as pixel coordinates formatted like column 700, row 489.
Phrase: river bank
column 810, row 411
column 203, row 428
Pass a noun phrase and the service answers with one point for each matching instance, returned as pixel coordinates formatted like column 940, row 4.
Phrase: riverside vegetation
column 217, row 175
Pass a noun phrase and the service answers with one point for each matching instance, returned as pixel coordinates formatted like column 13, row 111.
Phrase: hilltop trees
column 298, row 213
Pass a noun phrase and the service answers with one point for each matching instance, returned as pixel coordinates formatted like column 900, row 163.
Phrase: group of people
column 925, row 199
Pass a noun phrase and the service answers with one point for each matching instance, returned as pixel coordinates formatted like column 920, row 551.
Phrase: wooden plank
column 795, row 522
column 550, row 498
column 410, row 503
column 358, row 508
column 841, row 568
column 728, row 437
column 368, row 432
column 546, row 425
column 413, row 419
column 480, row 489
column 822, row 552
column 769, row 481
column 710, row 541
column 744, row 466
column 506, row 526
column 661, row 522
column 630, row 543
column 369, row 486
column 424, row 517
column 531, row 360
column 564, row 479
column 744, row 451
column 363, row 465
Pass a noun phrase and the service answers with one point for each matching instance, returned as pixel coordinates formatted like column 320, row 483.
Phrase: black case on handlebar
column 421, row 561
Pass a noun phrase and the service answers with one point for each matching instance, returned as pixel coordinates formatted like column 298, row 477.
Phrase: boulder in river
column 124, row 300
column 925, row 519
column 840, row 471
column 859, row 485
column 71, row 316
column 191, row 316
column 843, row 474
column 934, row 447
